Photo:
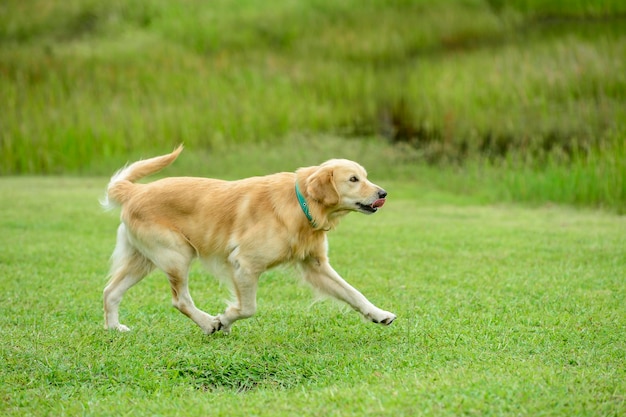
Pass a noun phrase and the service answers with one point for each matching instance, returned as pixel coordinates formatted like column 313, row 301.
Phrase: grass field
column 496, row 126
column 502, row 310
column 533, row 90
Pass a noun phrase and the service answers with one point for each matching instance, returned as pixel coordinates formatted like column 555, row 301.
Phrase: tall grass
column 597, row 178
column 85, row 82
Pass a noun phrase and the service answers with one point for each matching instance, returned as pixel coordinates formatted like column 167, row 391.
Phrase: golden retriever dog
column 238, row 228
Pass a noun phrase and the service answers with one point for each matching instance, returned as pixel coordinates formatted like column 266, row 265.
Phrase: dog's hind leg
column 172, row 253
column 244, row 287
column 128, row 267
column 182, row 301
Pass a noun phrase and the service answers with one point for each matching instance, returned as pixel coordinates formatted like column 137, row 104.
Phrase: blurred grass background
column 522, row 100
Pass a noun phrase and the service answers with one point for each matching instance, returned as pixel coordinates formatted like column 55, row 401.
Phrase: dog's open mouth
column 371, row 208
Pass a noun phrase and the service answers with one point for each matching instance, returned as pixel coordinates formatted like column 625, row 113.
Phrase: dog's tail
column 120, row 187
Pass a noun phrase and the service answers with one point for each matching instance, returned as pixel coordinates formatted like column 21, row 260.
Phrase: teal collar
column 304, row 206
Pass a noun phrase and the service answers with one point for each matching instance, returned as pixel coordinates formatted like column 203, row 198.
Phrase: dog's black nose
column 382, row 194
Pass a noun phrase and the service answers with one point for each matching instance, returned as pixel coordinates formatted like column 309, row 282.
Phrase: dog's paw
column 214, row 325
column 382, row 317
column 223, row 327
column 120, row 328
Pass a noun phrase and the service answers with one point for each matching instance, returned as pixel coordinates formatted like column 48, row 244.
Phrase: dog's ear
column 321, row 187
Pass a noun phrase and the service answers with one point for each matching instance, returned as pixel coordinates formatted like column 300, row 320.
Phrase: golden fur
column 244, row 227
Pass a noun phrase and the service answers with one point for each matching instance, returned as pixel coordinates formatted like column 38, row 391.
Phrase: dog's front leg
column 324, row 278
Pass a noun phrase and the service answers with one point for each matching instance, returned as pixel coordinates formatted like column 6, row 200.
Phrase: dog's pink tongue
column 378, row 203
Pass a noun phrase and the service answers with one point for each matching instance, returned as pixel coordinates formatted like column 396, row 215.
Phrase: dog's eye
column 354, row 179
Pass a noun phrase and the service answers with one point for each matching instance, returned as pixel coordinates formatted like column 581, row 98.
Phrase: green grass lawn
column 502, row 310
column 470, row 105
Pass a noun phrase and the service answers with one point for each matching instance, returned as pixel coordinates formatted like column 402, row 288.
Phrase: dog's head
column 340, row 184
